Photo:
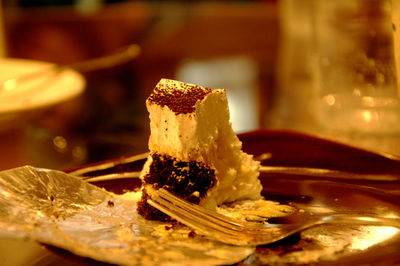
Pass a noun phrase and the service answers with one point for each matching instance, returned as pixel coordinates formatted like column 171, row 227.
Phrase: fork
column 90, row 172
column 242, row 233
column 287, row 171
column 385, row 182
column 119, row 56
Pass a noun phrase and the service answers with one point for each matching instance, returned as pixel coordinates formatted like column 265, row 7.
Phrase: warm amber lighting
column 330, row 99
column 5, row 194
column 10, row 84
column 60, row 143
column 373, row 235
column 357, row 92
column 367, row 116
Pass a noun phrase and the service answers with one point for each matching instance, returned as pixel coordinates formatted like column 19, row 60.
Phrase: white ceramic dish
column 44, row 91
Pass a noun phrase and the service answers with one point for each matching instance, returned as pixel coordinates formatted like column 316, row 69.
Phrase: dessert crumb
column 192, row 234
column 168, row 227
column 110, row 203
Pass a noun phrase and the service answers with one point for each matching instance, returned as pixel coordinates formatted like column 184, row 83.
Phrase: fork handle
column 361, row 220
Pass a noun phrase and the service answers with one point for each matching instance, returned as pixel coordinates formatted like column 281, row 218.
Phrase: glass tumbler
column 355, row 71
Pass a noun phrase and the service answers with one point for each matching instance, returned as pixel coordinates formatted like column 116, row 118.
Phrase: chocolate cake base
column 187, row 180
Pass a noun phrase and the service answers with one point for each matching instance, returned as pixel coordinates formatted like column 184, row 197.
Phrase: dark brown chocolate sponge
column 181, row 178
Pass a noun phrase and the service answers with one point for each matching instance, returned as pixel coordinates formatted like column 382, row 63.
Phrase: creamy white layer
column 205, row 135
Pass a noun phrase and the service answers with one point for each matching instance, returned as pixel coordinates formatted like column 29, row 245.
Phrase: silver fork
column 122, row 55
column 289, row 172
column 231, row 231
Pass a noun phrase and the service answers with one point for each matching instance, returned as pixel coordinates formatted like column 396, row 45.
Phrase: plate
column 344, row 245
column 46, row 90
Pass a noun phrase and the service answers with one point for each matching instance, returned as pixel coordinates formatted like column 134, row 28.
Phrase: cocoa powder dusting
column 181, row 98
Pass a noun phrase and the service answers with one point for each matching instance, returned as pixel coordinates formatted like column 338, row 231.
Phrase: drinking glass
column 355, row 70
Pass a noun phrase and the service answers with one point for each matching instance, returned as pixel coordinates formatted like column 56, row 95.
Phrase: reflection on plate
column 45, row 90
column 342, row 244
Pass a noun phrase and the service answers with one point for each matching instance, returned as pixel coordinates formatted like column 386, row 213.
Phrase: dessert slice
column 194, row 152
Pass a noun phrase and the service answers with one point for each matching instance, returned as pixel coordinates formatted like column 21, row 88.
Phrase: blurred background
column 260, row 51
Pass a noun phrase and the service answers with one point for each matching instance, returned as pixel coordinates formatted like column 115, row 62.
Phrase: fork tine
column 200, row 223
column 211, row 215
column 208, row 222
column 108, row 164
column 107, row 177
column 168, row 201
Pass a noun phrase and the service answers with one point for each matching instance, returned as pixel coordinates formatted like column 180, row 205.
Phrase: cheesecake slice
column 194, row 151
